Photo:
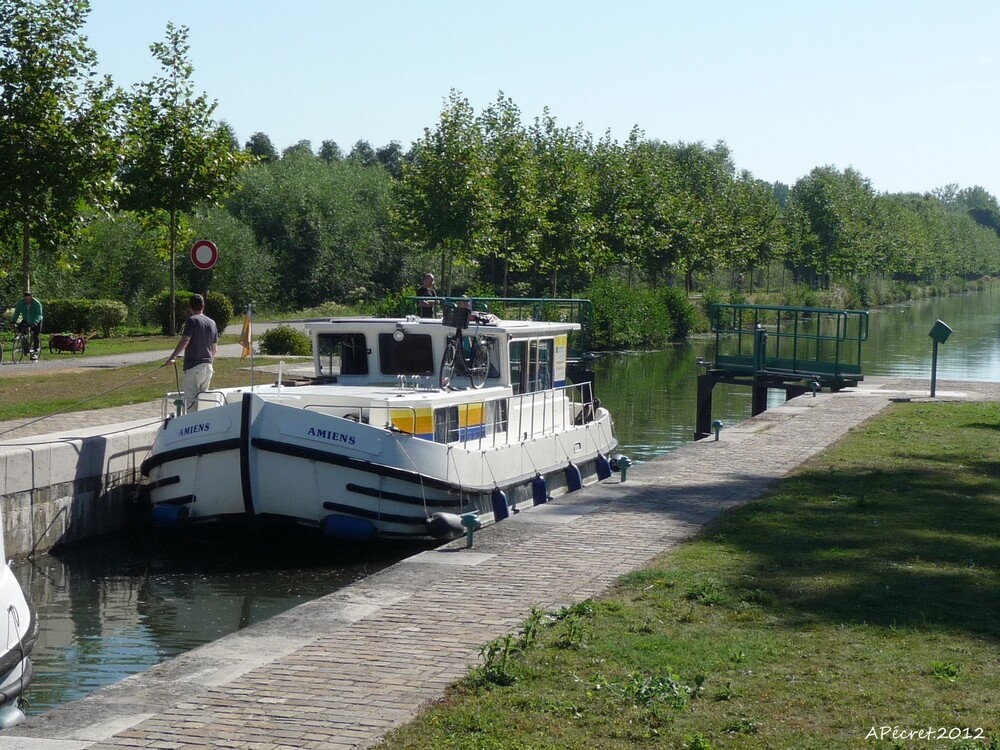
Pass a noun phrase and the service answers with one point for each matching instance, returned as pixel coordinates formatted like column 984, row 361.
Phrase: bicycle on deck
column 454, row 362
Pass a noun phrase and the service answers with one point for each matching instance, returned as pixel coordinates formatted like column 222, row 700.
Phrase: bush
column 285, row 340
column 709, row 300
column 680, row 311
column 106, row 314
column 66, row 315
column 393, row 306
column 625, row 318
column 217, row 307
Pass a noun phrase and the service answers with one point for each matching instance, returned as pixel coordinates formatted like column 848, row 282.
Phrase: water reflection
column 901, row 343
column 116, row 608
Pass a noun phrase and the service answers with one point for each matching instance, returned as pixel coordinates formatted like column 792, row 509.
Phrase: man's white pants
column 196, row 380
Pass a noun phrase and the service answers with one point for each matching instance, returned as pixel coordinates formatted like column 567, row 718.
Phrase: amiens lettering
column 193, row 428
column 334, row 437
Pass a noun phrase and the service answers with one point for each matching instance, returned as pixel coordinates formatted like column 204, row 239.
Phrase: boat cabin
column 525, row 356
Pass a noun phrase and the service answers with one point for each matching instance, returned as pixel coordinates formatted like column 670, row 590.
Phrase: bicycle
column 478, row 364
column 21, row 344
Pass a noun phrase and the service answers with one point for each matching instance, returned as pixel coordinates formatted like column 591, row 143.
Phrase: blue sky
column 906, row 92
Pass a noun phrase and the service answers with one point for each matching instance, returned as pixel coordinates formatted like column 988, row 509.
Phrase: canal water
column 117, row 608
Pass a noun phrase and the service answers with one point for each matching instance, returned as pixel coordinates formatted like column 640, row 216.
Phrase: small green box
column 940, row 332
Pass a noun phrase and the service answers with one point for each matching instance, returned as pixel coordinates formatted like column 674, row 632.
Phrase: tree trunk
column 26, row 256
column 173, row 275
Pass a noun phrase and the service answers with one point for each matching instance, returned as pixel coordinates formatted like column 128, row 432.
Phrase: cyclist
column 28, row 315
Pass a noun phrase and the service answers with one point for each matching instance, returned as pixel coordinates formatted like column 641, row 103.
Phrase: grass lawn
column 856, row 606
column 41, row 392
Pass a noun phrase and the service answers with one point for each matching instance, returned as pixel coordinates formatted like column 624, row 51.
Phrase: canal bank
column 343, row 669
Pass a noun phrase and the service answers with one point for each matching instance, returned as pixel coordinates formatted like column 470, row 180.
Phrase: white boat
column 21, row 632
column 383, row 440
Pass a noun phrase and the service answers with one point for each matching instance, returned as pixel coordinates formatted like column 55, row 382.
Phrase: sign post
column 940, row 333
column 204, row 254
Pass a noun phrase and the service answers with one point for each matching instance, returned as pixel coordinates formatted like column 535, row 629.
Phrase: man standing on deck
column 200, row 344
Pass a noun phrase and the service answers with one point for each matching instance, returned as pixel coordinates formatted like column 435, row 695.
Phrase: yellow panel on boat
column 470, row 414
column 403, row 420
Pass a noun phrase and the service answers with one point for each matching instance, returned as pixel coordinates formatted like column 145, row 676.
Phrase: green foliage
column 325, row 226
column 175, row 156
column 106, row 314
column 499, row 666
column 56, row 118
column 392, row 306
column 680, row 312
column 67, row 315
column 285, row 340
column 709, row 301
column 624, row 318
column 801, row 295
column 641, row 689
column 217, row 307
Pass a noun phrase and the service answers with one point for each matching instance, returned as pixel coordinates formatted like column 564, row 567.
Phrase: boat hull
column 261, row 460
column 15, row 657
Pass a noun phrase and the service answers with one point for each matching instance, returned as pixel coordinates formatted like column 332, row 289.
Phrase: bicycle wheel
column 17, row 348
column 480, row 366
column 447, row 371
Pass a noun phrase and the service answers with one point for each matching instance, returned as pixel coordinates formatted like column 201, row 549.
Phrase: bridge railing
column 802, row 342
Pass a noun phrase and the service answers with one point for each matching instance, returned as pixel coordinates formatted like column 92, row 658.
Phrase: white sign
column 204, row 254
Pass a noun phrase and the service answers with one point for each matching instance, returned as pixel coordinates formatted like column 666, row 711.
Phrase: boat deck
column 341, row 671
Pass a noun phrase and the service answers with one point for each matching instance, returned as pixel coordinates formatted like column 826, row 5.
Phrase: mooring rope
column 84, row 401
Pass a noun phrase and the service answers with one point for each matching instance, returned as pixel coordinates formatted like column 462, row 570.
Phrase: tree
column 261, row 148
column 390, row 157
column 568, row 190
column 516, row 212
column 833, row 219
column 443, row 196
column 302, row 147
column 56, row 123
column 176, row 155
column 362, row 153
column 330, row 152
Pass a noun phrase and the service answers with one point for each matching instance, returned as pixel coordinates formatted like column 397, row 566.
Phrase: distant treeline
column 491, row 205
column 97, row 186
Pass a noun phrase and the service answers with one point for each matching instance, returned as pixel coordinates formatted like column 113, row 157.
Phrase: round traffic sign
column 204, row 254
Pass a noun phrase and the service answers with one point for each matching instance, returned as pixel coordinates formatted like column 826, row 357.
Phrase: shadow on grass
column 913, row 545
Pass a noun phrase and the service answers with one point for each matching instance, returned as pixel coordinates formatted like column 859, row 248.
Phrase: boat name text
column 335, row 437
column 192, row 429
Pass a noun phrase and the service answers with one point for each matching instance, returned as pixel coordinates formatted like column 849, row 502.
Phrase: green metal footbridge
column 795, row 349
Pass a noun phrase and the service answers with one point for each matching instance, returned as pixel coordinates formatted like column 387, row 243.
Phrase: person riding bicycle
column 28, row 315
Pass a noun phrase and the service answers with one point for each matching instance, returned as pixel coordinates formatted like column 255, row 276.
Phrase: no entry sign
column 204, row 254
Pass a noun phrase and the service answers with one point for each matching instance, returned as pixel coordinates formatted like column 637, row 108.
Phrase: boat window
column 531, row 365
column 494, row 344
column 518, row 354
column 446, row 424
column 414, row 355
column 540, row 364
column 342, row 354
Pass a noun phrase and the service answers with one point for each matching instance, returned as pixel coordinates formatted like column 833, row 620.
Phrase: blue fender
column 499, row 499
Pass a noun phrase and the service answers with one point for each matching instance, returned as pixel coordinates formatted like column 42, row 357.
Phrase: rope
column 84, row 401
column 420, row 474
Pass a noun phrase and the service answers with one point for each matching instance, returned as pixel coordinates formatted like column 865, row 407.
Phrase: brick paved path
column 340, row 671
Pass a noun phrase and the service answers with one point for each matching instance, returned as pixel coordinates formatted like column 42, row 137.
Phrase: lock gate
column 795, row 349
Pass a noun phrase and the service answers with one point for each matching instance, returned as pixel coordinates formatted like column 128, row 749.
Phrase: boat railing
column 557, row 309
column 528, row 416
column 173, row 403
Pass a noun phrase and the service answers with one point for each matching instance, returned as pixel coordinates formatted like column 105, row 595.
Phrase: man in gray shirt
column 200, row 344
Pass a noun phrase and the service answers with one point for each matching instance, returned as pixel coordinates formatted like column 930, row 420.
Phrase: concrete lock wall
column 64, row 488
